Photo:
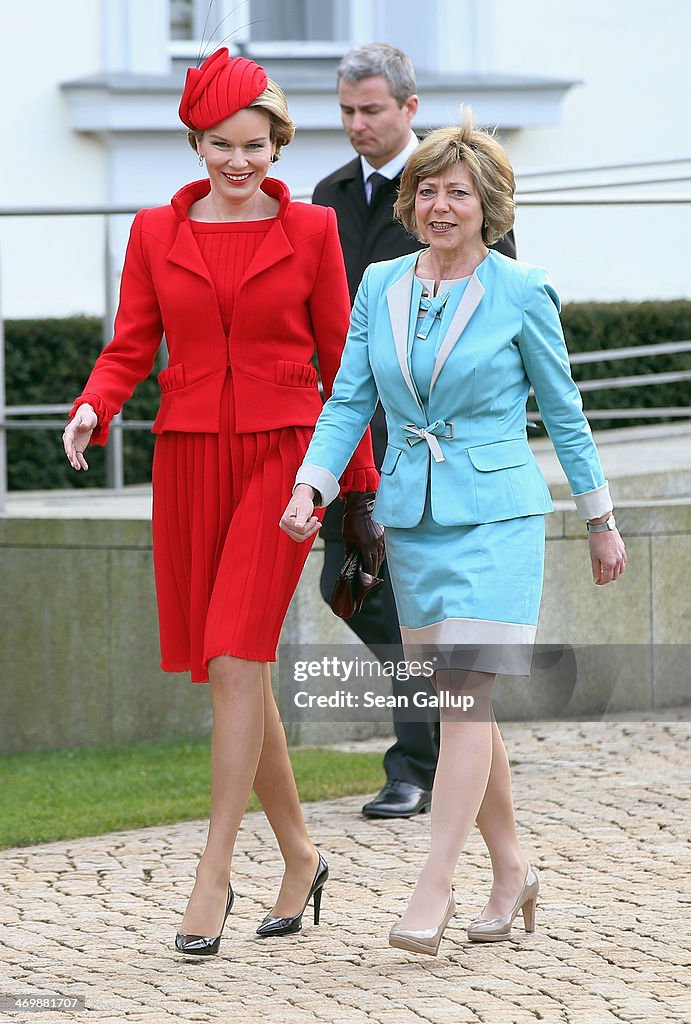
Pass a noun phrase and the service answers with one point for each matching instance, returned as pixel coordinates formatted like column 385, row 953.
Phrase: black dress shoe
column 204, row 945
column 398, row 799
column 287, row 925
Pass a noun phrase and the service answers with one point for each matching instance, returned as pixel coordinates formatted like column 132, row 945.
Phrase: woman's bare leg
column 274, row 784
column 497, row 823
column 465, row 755
column 237, row 699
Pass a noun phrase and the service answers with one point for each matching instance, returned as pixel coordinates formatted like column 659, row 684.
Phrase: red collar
column 188, row 194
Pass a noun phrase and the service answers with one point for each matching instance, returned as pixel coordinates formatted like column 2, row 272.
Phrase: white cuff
column 591, row 504
column 321, row 479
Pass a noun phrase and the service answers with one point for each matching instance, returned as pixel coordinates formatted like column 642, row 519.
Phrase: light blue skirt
column 469, row 595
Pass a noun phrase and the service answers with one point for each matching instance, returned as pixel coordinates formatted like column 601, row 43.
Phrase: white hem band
column 321, row 479
column 591, row 504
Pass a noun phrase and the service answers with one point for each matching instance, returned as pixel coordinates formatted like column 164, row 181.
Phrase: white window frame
column 229, row 17
column 234, row 18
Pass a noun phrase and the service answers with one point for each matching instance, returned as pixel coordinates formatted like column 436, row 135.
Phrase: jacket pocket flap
column 172, row 377
column 301, row 375
column 391, row 457
column 499, row 455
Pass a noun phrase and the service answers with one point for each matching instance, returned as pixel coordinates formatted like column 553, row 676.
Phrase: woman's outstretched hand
column 298, row 520
column 77, row 435
column 607, row 555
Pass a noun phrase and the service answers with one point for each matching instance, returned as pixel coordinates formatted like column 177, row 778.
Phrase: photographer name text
column 369, row 699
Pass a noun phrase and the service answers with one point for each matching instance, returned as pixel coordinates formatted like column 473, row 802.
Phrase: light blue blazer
column 471, row 447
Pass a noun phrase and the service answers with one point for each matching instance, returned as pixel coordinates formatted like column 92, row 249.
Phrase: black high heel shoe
column 202, row 945
column 287, row 925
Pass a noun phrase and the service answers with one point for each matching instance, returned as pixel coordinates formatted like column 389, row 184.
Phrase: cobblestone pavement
column 601, row 809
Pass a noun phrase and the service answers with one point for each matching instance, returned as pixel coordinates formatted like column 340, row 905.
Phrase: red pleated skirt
column 225, row 572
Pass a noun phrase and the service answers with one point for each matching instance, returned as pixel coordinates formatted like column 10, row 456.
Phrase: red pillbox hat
column 219, row 88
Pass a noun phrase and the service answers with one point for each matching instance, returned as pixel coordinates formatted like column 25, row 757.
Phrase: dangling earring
column 201, row 160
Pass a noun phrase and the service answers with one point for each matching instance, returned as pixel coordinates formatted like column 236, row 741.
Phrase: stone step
column 641, row 463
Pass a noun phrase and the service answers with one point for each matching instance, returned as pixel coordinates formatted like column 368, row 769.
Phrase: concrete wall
column 79, row 650
column 79, row 654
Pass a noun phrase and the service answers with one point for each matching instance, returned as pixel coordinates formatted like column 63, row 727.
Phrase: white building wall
column 50, row 267
column 630, row 56
column 134, row 35
column 632, row 59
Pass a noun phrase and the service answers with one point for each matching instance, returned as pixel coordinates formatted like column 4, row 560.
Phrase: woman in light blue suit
column 451, row 339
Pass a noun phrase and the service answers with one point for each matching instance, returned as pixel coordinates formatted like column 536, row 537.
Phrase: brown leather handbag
column 352, row 586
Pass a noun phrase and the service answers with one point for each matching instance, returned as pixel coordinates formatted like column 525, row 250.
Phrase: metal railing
column 638, row 380
column 12, row 417
column 115, row 472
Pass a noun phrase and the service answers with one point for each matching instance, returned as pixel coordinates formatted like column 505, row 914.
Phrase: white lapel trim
column 471, row 299
column 398, row 300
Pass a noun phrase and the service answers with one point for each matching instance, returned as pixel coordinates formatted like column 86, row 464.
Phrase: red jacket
column 292, row 298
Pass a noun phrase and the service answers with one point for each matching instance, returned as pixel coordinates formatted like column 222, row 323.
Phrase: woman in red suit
column 245, row 285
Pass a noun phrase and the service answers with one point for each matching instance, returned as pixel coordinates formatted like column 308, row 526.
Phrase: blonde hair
column 486, row 161
column 272, row 102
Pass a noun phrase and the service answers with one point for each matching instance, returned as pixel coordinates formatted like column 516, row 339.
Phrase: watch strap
column 609, row 524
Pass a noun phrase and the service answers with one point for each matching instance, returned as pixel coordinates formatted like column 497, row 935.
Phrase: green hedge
column 592, row 326
column 49, row 360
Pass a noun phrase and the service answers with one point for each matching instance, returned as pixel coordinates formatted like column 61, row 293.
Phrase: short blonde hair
column 485, row 159
column 272, row 102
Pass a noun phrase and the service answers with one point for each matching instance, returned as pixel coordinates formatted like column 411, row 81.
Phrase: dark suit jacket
column 368, row 234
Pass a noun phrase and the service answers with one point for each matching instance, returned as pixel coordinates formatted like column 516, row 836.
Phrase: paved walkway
column 603, row 810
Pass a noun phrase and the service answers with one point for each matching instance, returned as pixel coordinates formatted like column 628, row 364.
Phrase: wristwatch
column 609, row 524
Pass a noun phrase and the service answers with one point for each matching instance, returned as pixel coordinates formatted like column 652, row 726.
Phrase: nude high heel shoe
column 499, row 928
column 425, row 940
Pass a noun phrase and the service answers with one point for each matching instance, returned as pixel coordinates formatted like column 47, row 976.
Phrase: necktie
column 376, row 180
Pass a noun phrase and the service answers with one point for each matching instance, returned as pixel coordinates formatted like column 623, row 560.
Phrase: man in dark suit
column 378, row 100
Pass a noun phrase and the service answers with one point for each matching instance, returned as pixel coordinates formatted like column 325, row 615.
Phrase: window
column 182, row 19
column 308, row 20
column 260, row 20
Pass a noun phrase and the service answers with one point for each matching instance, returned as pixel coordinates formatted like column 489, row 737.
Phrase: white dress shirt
column 390, row 169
